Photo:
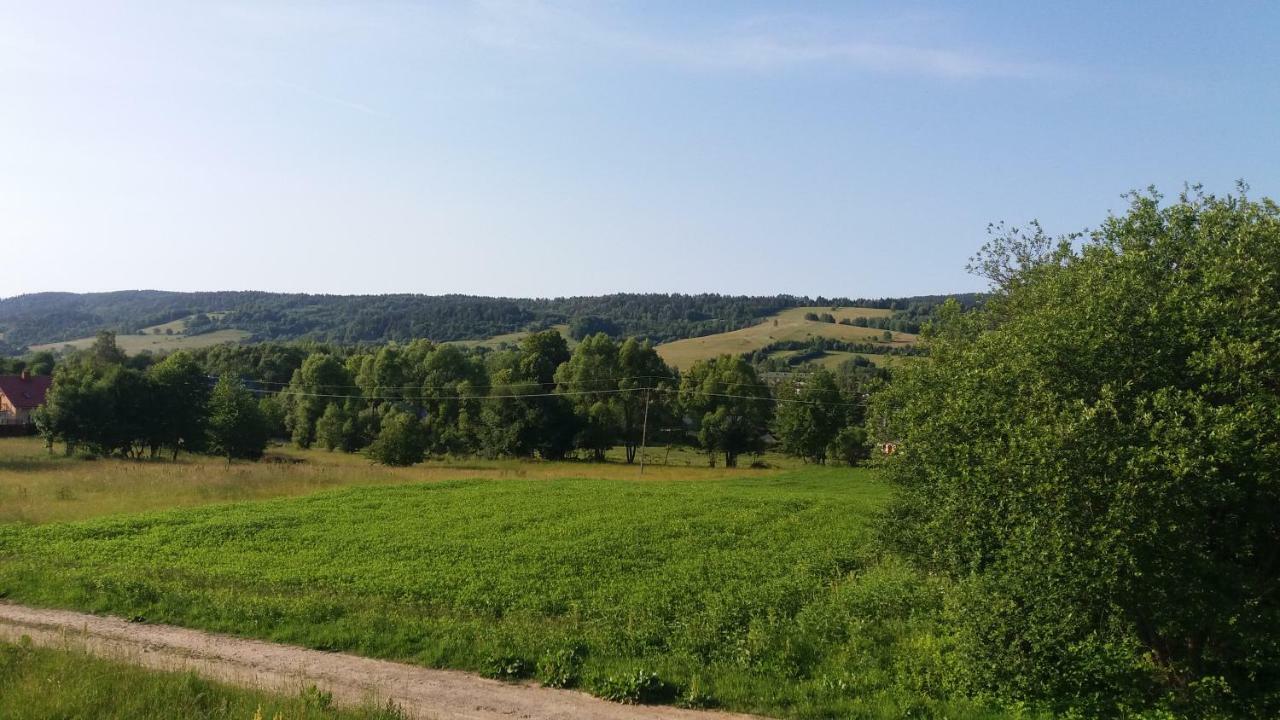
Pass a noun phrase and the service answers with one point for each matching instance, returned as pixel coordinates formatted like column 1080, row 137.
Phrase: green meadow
column 749, row 591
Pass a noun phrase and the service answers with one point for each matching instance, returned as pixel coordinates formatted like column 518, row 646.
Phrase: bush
column 401, row 442
column 635, row 687
column 561, row 669
column 1093, row 459
column 506, row 667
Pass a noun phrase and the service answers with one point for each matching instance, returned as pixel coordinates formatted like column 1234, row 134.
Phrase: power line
column 564, row 393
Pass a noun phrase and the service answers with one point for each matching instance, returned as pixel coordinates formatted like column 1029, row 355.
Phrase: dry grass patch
column 788, row 325
column 38, row 488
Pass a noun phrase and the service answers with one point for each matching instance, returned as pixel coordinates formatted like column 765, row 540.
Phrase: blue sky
column 545, row 148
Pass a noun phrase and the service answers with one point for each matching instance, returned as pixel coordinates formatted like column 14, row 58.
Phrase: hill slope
column 57, row 318
column 788, row 325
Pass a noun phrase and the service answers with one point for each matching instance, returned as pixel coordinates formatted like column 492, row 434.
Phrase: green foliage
column 313, row 387
column 636, row 686
column 1093, row 459
column 730, row 404
column 107, row 408
column 584, row 327
column 181, row 403
column 591, row 373
column 850, row 445
column 237, row 428
column 817, row 411
column 561, row 668
column 332, row 427
column 401, row 442
column 506, row 667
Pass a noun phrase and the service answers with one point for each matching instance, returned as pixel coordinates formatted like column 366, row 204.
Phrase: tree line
column 402, row 403
column 375, row 319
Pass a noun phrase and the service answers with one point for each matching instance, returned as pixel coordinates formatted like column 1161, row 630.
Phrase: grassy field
column 787, row 325
column 755, row 590
column 511, row 339
column 38, row 488
column 38, row 684
column 136, row 343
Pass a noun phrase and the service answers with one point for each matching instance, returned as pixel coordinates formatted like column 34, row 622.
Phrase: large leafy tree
column 402, row 440
column 810, row 416
column 237, row 428
column 451, row 382
column 321, row 380
column 730, row 405
column 181, row 403
column 590, row 380
column 640, row 367
column 1094, row 458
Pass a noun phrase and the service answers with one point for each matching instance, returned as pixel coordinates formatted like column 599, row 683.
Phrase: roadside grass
column 786, row 325
column 758, row 593
column 36, row 487
column 37, row 684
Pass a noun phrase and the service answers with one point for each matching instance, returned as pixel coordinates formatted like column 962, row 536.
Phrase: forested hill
column 56, row 317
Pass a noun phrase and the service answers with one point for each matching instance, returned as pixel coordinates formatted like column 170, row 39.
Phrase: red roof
column 25, row 393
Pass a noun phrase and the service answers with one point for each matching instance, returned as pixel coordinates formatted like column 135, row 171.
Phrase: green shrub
column 506, row 667
column 561, row 668
column 401, row 442
column 1094, row 460
column 634, row 687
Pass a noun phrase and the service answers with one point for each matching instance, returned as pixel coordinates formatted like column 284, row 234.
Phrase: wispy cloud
column 753, row 44
column 331, row 99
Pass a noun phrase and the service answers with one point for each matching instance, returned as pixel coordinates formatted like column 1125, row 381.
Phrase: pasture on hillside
column 165, row 337
column 788, row 325
column 752, row 590
column 497, row 342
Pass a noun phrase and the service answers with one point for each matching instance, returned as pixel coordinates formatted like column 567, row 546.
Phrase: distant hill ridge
column 55, row 317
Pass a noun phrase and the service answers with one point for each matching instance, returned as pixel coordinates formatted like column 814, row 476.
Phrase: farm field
column 507, row 339
column 36, row 487
column 786, row 325
column 754, row 590
column 136, row 343
column 88, row 687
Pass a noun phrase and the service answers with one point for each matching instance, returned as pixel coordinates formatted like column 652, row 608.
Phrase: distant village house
column 20, row 395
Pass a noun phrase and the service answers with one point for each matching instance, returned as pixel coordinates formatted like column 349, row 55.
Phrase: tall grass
column 36, row 487
column 39, row 684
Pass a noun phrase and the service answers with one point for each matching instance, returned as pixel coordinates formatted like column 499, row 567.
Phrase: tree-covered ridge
column 55, row 317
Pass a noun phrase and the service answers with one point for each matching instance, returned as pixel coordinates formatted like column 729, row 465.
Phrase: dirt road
column 420, row 692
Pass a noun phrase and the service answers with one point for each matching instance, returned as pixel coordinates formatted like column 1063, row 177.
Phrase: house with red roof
column 20, row 395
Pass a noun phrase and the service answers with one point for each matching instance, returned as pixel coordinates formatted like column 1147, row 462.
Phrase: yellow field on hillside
column 136, row 343
column 157, row 338
column 510, row 339
column 786, row 325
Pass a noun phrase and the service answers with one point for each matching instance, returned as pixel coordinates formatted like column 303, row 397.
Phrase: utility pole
column 644, row 430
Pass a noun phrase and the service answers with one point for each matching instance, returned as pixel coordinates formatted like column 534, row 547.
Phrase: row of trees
column 400, row 403
column 542, row 399
column 106, row 407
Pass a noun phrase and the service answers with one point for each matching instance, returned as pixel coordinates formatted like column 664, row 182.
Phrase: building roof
column 27, row 392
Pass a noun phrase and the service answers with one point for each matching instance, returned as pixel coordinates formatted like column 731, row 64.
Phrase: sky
column 544, row 149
